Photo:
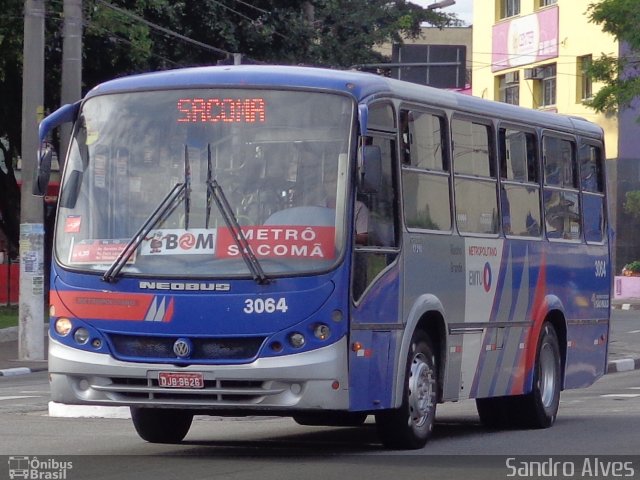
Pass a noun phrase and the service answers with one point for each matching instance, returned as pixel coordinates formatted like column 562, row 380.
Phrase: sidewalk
column 9, row 363
column 624, row 354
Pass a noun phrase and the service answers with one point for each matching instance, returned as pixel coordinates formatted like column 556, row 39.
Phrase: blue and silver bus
column 326, row 245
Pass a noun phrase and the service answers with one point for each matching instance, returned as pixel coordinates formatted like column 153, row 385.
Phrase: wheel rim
column 421, row 391
column 547, row 375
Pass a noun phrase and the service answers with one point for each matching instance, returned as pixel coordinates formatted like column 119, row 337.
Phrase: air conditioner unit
column 533, row 74
column 511, row 77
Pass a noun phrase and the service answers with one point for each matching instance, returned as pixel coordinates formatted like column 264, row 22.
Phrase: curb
column 623, row 365
column 62, row 410
column 12, row 372
column 9, row 334
column 625, row 306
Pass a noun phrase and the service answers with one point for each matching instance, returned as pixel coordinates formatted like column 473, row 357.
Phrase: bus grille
column 215, row 392
column 161, row 348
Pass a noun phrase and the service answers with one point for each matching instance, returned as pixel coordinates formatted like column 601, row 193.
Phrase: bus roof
column 362, row 86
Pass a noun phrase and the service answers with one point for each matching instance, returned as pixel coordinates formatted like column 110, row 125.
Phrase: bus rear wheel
column 538, row 408
column 158, row 425
column 410, row 426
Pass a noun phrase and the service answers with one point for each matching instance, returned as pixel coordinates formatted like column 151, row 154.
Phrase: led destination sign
column 227, row 110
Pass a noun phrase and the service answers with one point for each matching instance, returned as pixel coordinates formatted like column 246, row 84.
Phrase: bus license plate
column 180, row 380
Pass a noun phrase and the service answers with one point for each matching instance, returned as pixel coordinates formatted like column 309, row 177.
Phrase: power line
column 165, row 30
column 254, row 7
column 234, row 11
column 253, row 21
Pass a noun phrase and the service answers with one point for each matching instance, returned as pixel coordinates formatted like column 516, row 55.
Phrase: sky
column 463, row 8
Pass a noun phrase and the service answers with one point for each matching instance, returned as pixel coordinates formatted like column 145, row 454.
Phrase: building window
column 585, row 87
column 509, row 8
column 509, row 88
column 547, row 77
column 546, row 3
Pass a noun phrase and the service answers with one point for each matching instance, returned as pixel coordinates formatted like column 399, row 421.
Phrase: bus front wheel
column 158, row 425
column 410, row 426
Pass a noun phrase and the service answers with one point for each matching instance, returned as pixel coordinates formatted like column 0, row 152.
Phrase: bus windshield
column 142, row 166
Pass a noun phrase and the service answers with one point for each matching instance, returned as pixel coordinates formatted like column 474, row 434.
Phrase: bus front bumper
column 315, row 380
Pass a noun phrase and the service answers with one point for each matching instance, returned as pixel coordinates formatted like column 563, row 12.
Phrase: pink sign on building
column 525, row 40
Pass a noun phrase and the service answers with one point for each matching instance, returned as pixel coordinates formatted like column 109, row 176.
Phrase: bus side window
column 425, row 172
column 520, row 190
column 592, row 186
column 475, row 178
column 561, row 204
column 379, row 204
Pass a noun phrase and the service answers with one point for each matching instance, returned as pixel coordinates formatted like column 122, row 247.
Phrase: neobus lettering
column 189, row 286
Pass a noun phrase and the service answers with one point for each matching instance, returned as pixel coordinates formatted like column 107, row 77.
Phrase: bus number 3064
column 265, row 305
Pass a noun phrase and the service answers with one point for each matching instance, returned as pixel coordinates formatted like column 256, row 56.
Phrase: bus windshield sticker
column 195, row 241
column 72, row 224
column 287, row 241
column 98, row 251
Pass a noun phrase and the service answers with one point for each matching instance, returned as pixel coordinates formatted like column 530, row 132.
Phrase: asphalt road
column 599, row 421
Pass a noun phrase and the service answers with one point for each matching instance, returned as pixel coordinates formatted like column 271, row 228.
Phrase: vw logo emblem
column 182, row 348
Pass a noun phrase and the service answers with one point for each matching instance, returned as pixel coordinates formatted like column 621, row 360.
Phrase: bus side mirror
column 65, row 114
column 370, row 168
column 43, row 172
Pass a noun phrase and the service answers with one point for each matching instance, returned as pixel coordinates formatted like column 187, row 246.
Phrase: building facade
column 533, row 53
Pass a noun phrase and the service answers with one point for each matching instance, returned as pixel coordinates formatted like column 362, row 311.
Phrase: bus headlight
column 321, row 331
column 81, row 335
column 297, row 340
column 63, row 326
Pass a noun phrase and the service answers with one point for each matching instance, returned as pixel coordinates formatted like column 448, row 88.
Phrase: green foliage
column 633, row 267
column 620, row 76
column 8, row 317
column 632, row 204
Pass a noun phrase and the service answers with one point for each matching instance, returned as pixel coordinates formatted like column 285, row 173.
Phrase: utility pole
column 31, row 309
column 71, row 66
column 308, row 11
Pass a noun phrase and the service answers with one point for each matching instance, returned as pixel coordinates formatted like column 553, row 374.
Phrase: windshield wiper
column 187, row 187
column 180, row 191
column 214, row 190
column 166, row 206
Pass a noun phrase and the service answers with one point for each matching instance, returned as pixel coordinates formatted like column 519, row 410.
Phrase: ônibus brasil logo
column 34, row 468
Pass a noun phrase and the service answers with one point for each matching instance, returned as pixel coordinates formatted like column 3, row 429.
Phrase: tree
column 620, row 75
column 131, row 36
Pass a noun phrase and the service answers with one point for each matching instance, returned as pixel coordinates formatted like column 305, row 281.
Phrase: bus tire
column 410, row 426
column 494, row 411
column 539, row 408
column 331, row 419
column 159, row 425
